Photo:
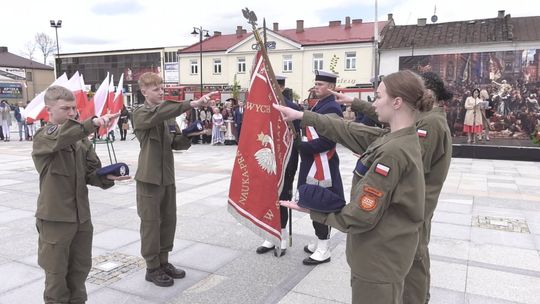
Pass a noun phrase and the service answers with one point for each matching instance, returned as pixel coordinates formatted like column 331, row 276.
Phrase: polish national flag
column 110, row 98
column 85, row 106
column 116, row 104
column 36, row 108
column 100, row 98
column 382, row 169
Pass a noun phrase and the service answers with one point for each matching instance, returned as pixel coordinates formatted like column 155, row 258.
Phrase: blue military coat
column 309, row 149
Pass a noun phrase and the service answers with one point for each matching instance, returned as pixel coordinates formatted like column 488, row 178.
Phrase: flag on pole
column 261, row 158
column 117, row 102
column 100, row 98
column 85, row 106
column 36, row 108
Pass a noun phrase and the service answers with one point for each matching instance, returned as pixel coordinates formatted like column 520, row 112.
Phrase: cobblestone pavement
column 485, row 237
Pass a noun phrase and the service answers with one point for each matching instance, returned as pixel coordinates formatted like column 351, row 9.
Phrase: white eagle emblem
column 266, row 156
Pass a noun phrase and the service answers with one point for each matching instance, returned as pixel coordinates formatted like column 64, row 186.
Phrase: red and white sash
column 319, row 173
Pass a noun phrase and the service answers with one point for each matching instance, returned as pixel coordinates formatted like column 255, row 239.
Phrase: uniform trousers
column 156, row 206
column 65, row 253
column 369, row 292
column 417, row 281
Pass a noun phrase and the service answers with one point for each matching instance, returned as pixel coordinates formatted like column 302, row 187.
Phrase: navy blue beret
column 118, row 169
column 195, row 126
column 319, row 199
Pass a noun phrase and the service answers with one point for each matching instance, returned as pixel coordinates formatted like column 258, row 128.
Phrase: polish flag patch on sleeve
column 421, row 133
column 382, row 169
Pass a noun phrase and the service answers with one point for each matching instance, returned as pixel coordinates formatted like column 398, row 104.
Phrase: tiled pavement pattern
column 485, row 239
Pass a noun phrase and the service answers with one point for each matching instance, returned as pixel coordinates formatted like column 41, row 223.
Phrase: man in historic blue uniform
column 319, row 167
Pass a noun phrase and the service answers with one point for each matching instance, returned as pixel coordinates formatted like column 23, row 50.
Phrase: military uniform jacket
column 154, row 127
column 436, row 142
column 307, row 150
column 66, row 163
column 386, row 206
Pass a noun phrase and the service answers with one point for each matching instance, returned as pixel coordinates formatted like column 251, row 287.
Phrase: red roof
column 358, row 32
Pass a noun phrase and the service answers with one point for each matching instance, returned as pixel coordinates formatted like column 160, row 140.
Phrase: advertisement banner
column 171, row 72
column 11, row 90
column 511, row 82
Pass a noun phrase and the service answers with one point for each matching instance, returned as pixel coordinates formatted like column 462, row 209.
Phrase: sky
column 99, row 25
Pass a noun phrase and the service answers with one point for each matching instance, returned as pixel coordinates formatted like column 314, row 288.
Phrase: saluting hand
column 288, row 113
column 293, row 205
column 205, row 100
column 106, row 120
column 342, row 98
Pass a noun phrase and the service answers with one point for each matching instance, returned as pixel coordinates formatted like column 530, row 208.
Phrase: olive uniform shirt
column 386, row 205
column 153, row 127
column 66, row 162
column 436, row 142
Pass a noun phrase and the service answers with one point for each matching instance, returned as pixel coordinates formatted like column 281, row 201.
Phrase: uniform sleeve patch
column 421, row 133
column 51, row 129
column 369, row 200
column 382, row 169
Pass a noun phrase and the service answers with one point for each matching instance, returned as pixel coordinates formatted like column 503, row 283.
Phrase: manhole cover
column 501, row 223
column 112, row 267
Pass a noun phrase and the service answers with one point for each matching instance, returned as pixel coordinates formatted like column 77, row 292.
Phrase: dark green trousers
column 368, row 292
column 65, row 253
column 156, row 206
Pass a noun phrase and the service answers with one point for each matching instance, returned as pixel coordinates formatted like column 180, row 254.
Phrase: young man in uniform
column 156, row 129
column 288, row 179
column 319, row 166
column 66, row 163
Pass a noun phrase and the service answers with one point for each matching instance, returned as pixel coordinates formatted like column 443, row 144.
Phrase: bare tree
column 29, row 50
column 46, row 45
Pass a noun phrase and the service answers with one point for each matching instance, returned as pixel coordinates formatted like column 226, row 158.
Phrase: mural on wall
column 511, row 79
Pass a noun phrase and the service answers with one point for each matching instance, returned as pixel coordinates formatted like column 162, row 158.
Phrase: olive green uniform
column 158, row 134
column 386, row 206
column 436, row 142
column 66, row 163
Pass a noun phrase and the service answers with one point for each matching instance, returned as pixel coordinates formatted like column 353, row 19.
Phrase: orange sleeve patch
column 368, row 202
column 373, row 191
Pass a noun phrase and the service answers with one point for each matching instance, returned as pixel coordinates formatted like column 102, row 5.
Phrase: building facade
column 94, row 66
column 346, row 49
column 21, row 79
column 500, row 55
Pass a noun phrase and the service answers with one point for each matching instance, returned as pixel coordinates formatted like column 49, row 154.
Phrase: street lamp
column 200, row 31
column 56, row 25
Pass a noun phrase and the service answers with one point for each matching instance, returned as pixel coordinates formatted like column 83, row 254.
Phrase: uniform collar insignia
column 51, row 129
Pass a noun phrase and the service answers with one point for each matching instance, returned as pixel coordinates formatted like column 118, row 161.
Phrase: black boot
column 173, row 272
column 159, row 277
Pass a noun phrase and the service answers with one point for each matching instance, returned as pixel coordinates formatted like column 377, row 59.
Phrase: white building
column 345, row 49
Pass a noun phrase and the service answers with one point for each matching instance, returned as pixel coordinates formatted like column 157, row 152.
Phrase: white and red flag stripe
column 36, row 108
column 382, row 169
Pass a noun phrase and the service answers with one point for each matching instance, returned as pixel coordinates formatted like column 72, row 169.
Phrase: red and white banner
column 263, row 151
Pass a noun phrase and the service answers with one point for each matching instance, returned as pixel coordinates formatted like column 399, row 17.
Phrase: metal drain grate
column 501, row 223
column 109, row 268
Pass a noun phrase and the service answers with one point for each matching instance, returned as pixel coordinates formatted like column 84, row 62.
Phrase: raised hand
column 106, row 120
column 288, row 113
column 342, row 98
column 205, row 100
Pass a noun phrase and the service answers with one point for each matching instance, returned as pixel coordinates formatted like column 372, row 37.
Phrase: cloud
column 117, row 7
column 90, row 40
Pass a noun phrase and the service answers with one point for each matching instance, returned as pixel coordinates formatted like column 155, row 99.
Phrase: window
column 194, row 66
column 317, row 61
column 29, row 76
column 241, row 65
column 350, row 61
column 217, row 66
column 171, row 57
column 287, row 63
